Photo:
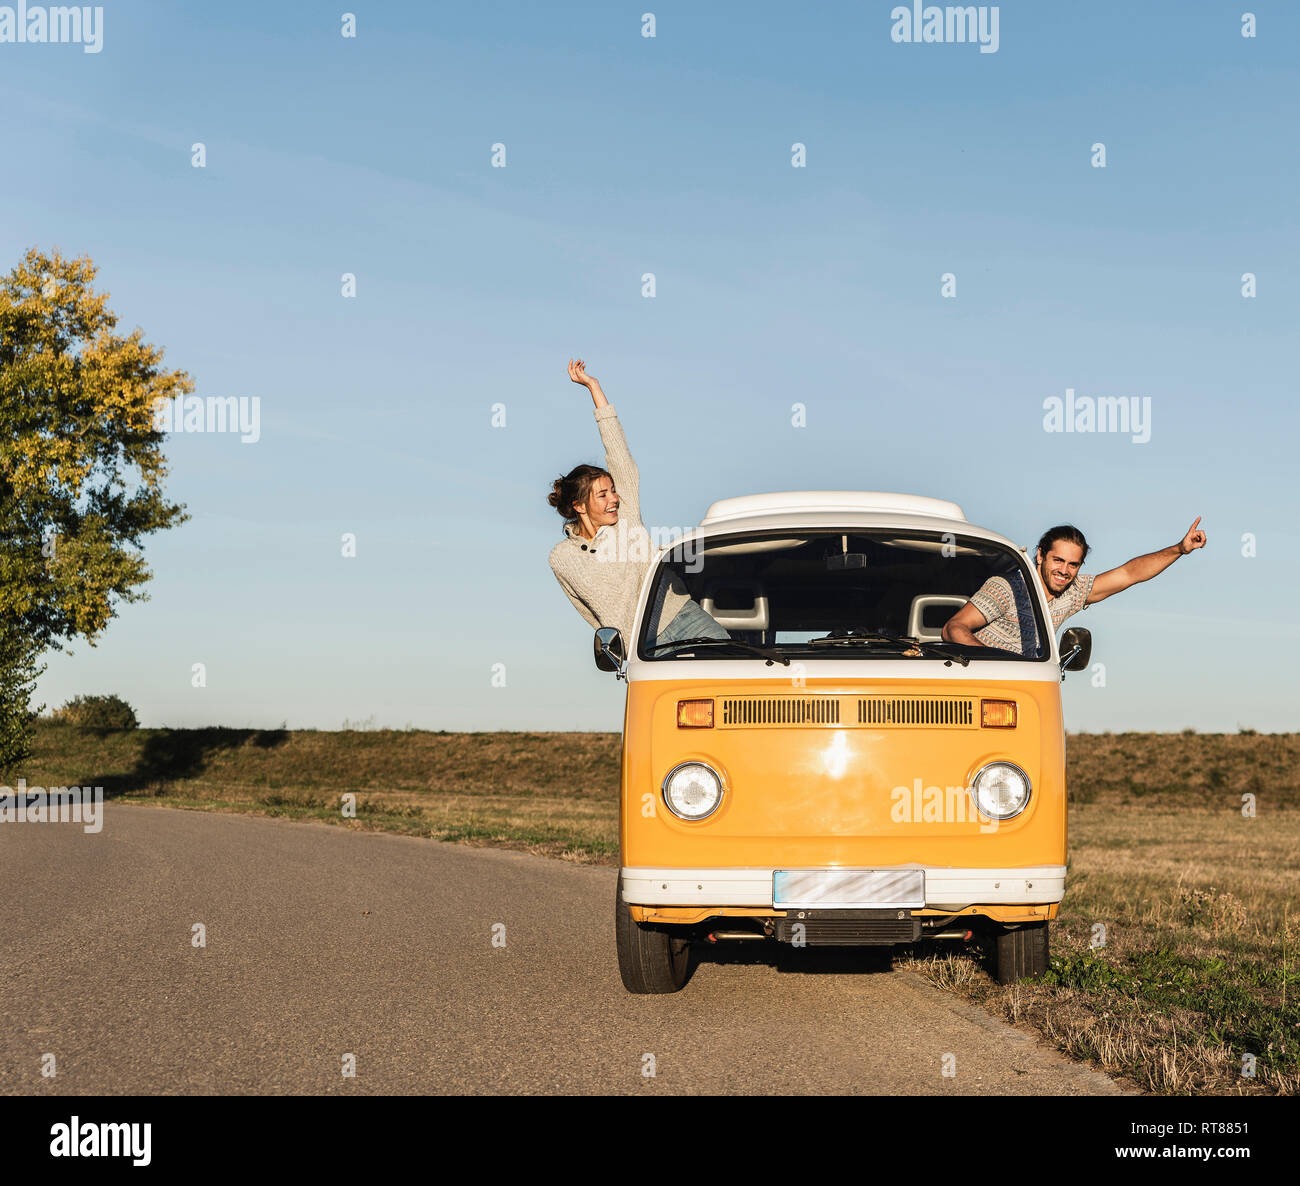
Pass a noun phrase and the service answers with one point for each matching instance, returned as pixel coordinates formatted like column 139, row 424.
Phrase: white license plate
column 849, row 889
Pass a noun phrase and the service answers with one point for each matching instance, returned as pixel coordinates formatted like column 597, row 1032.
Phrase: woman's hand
column 579, row 375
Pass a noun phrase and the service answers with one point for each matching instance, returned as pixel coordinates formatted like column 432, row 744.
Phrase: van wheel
column 649, row 960
column 1021, row 952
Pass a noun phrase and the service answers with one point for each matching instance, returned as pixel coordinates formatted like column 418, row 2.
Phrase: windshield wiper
column 770, row 656
column 907, row 645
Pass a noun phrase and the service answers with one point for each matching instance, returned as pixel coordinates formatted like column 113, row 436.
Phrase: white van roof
column 803, row 502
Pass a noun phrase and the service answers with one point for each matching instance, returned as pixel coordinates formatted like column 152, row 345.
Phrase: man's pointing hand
column 1195, row 538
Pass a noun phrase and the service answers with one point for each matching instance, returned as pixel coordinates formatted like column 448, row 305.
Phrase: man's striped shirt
column 997, row 603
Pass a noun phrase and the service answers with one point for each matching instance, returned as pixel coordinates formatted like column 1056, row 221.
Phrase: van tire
column 650, row 960
column 1021, row 952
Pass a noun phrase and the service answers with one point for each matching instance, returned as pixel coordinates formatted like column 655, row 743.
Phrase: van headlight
column 1001, row 790
column 692, row 790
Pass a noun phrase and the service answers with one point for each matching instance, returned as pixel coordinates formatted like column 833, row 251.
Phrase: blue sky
column 821, row 285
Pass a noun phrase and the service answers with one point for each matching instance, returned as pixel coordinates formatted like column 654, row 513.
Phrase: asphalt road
column 323, row 942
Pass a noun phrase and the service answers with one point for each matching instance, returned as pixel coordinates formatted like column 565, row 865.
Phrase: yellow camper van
column 833, row 772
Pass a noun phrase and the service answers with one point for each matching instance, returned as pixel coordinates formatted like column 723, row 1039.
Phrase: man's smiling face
column 1060, row 566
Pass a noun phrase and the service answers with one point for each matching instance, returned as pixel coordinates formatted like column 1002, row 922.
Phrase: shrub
column 97, row 712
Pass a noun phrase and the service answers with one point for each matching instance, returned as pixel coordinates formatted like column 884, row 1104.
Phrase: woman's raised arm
column 618, row 459
column 579, row 375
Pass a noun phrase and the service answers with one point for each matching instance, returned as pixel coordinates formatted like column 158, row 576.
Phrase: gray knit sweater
column 602, row 576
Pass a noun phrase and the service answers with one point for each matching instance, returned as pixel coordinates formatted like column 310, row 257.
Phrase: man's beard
column 1047, row 584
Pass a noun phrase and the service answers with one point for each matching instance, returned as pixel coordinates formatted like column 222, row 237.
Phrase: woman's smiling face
column 601, row 507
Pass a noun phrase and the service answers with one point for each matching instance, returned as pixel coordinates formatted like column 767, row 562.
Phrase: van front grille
column 874, row 712
column 915, row 710
column 781, row 710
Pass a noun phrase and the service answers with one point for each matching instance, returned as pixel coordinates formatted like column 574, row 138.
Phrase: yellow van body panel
column 840, row 783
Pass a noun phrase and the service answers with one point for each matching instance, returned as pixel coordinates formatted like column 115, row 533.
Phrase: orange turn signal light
column 998, row 714
column 695, row 714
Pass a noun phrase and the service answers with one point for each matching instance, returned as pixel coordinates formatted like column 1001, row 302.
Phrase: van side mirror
column 1076, row 648
column 610, row 652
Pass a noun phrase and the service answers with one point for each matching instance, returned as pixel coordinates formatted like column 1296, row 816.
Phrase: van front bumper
column 945, row 888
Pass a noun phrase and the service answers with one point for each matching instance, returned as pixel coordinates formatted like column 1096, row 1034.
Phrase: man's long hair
column 1065, row 531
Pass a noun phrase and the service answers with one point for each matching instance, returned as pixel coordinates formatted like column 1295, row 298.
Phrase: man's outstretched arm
column 1143, row 568
column 959, row 627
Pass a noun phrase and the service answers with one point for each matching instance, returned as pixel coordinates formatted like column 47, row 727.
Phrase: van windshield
column 832, row 594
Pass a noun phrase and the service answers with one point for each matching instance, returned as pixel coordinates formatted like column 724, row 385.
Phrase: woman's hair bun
column 573, row 487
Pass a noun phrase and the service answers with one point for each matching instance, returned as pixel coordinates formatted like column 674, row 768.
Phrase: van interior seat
column 736, row 605
column 916, row 627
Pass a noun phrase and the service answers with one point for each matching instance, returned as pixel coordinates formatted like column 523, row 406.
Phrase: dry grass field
column 1173, row 961
column 1196, row 965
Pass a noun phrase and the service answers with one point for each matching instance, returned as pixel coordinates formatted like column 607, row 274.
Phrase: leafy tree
column 81, row 469
column 18, row 672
